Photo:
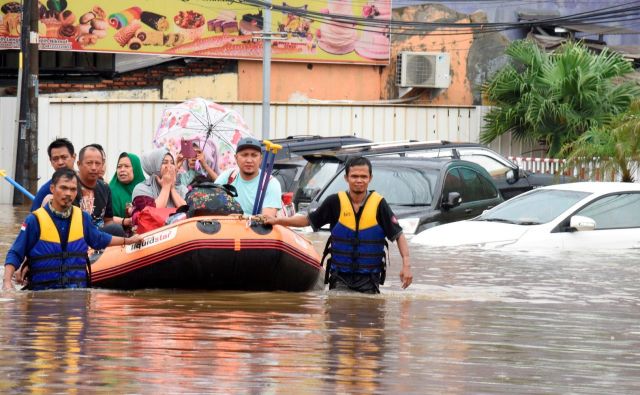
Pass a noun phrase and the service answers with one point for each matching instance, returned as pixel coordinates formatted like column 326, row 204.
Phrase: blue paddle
column 19, row 187
column 263, row 167
column 273, row 148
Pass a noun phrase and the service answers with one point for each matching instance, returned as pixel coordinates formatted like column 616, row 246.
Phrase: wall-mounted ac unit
column 423, row 70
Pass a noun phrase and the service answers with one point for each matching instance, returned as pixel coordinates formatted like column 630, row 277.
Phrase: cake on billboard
column 336, row 31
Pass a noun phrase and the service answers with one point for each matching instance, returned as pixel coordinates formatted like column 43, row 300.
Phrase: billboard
column 331, row 31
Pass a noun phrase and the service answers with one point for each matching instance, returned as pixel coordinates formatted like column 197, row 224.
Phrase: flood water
column 472, row 322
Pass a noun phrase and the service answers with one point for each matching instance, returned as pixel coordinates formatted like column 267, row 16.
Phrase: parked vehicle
column 299, row 145
column 425, row 192
column 575, row 216
column 511, row 180
column 290, row 162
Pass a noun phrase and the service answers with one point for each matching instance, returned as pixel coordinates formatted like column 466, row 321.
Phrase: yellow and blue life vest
column 357, row 246
column 51, row 266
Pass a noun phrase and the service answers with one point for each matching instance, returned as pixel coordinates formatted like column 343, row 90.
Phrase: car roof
column 370, row 149
column 305, row 144
column 596, row 187
column 432, row 163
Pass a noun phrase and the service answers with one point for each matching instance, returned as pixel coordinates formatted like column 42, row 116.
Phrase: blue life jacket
column 51, row 266
column 357, row 246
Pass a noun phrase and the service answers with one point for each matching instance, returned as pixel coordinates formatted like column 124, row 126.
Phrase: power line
column 618, row 13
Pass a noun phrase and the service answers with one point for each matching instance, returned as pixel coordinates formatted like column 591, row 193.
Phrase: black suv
column 510, row 179
column 425, row 192
column 289, row 161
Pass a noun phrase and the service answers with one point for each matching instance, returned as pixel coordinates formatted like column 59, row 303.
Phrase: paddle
column 263, row 167
column 19, row 187
column 273, row 149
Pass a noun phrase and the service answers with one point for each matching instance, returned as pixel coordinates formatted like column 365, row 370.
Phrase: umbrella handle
column 19, row 187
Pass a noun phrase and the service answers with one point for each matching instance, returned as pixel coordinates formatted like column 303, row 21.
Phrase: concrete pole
column 266, row 71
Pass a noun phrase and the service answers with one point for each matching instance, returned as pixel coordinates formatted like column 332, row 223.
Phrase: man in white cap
column 246, row 176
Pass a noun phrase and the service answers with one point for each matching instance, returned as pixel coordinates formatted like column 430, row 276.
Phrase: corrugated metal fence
column 130, row 125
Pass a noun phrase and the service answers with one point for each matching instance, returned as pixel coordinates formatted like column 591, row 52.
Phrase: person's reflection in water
column 50, row 336
column 356, row 328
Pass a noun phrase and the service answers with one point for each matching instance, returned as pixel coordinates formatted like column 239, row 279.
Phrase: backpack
column 207, row 198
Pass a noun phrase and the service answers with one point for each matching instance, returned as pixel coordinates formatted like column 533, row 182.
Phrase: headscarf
column 152, row 164
column 121, row 193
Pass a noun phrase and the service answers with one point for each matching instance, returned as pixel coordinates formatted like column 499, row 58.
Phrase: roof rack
column 392, row 144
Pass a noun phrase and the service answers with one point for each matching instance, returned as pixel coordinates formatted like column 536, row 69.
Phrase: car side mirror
column 512, row 175
column 580, row 223
column 453, row 199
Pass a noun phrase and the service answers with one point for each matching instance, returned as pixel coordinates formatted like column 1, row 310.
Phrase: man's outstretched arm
column 297, row 221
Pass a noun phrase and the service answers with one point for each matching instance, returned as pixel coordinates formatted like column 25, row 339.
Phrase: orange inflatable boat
column 212, row 252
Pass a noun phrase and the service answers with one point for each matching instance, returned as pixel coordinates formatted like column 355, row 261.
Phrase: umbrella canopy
column 215, row 128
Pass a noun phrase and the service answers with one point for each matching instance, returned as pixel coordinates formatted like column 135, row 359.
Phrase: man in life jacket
column 359, row 220
column 55, row 239
column 245, row 178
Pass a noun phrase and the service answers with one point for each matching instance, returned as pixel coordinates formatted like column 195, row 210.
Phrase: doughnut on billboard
column 331, row 31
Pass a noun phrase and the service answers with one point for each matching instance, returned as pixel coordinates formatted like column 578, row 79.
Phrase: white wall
column 8, row 143
column 126, row 125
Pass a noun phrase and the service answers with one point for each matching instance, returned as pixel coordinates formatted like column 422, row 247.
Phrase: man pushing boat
column 55, row 240
column 359, row 220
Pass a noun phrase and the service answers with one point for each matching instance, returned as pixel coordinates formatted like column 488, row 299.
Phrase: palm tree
column 616, row 145
column 555, row 98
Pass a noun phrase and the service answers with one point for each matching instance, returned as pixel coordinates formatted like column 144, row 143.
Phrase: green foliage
column 616, row 144
column 555, row 98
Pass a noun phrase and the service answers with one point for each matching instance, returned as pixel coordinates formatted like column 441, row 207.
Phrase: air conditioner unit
column 423, row 70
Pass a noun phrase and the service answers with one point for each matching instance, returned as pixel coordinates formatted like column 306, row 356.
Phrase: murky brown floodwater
column 473, row 322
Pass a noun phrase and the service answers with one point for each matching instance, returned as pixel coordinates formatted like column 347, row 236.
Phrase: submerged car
column 575, row 216
column 425, row 192
column 510, row 179
column 289, row 161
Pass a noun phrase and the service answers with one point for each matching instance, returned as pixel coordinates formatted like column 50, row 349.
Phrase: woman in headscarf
column 128, row 175
column 160, row 187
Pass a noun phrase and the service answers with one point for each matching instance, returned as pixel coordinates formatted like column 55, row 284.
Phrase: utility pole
column 266, row 71
column 26, row 170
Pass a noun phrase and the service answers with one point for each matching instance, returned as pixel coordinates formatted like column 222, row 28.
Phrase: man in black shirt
column 359, row 220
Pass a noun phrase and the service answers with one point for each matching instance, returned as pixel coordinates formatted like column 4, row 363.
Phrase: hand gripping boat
column 211, row 252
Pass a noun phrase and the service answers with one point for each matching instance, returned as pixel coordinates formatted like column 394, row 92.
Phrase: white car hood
column 470, row 233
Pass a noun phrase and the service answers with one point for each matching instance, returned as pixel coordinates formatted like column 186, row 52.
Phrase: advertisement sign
column 333, row 31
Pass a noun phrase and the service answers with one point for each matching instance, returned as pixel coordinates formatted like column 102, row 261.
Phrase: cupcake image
column 191, row 24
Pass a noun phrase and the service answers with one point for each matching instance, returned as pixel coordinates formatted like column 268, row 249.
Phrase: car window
column 403, row 186
column 316, row 175
column 615, row 211
column 473, row 187
column 286, row 176
column 452, row 183
column 539, row 206
column 493, row 167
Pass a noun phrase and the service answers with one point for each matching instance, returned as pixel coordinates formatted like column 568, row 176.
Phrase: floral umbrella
column 215, row 128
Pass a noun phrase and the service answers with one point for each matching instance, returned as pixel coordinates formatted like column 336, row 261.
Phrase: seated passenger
column 245, row 178
column 128, row 175
column 195, row 166
column 159, row 189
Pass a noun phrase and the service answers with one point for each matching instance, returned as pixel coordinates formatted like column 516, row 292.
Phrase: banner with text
column 331, row 31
